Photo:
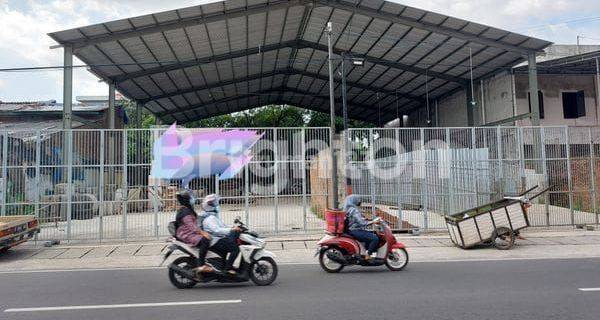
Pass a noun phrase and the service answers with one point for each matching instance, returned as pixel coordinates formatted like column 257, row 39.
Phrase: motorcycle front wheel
column 397, row 259
column 263, row 271
column 178, row 280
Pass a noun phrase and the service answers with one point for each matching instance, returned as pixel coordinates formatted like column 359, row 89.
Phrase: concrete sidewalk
column 301, row 248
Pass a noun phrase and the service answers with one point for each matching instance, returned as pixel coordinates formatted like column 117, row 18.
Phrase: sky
column 24, row 25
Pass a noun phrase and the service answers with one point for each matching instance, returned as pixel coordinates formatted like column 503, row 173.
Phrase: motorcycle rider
column 357, row 226
column 224, row 238
column 187, row 230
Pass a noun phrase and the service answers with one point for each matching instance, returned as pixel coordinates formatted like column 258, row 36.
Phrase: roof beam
column 286, row 72
column 248, row 95
column 205, row 60
column 224, row 100
column 423, row 26
column 184, row 23
column 387, row 63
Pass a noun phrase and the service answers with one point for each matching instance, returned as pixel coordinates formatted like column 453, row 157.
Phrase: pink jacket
column 188, row 230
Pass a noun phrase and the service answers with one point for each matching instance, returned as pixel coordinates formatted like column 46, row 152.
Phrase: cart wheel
column 504, row 238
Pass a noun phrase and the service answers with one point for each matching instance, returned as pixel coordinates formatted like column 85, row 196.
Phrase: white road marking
column 121, row 306
column 589, row 289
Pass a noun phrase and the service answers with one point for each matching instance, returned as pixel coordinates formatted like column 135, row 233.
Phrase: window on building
column 540, row 99
column 573, row 104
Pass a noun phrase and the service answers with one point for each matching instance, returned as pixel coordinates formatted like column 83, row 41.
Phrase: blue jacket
column 356, row 220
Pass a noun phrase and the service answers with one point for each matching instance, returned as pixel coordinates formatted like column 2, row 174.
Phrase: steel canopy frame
column 164, row 39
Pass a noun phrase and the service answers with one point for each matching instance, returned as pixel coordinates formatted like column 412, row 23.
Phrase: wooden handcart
column 494, row 223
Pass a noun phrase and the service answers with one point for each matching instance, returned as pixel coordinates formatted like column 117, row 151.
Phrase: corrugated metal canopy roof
column 223, row 57
column 585, row 63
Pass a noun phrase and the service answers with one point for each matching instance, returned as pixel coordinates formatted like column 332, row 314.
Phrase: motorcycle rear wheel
column 179, row 281
column 327, row 264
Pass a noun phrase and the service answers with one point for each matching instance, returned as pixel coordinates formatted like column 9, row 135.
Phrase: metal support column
column 533, row 90
column 138, row 115
column 68, row 87
column 334, row 180
column 347, row 159
column 111, row 105
column 470, row 107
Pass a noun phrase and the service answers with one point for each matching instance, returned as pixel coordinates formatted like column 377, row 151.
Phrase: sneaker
column 231, row 272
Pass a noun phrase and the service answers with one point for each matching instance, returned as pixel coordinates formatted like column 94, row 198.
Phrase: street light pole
column 334, row 180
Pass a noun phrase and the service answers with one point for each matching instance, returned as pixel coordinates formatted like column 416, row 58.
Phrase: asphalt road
column 523, row 289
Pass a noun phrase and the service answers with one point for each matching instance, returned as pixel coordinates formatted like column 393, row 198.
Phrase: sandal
column 204, row 269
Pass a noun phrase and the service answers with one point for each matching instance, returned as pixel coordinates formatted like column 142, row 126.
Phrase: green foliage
column 274, row 116
column 148, row 120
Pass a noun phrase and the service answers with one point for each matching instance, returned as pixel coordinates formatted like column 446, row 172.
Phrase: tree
column 275, row 116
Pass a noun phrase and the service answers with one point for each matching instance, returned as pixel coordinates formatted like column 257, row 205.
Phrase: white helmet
column 210, row 203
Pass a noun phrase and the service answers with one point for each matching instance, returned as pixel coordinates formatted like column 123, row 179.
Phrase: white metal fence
column 94, row 184
column 423, row 173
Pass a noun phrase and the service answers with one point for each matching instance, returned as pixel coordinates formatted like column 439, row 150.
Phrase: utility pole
column 334, row 180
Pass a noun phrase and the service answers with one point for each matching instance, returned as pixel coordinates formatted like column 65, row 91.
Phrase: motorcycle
column 337, row 251
column 255, row 263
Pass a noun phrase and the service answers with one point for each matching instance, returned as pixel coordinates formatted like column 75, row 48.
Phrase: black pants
column 227, row 245
column 202, row 250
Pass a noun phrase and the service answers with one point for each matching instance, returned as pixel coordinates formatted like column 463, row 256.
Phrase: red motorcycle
column 337, row 250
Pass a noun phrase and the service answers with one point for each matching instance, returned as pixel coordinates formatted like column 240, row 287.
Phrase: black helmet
column 185, row 197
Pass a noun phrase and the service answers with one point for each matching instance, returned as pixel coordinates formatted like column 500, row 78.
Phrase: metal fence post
column 101, row 187
column 521, row 145
column 275, row 178
column 155, row 188
column 372, row 166
column 545, row 172
column 38, row 195
column 569, row 178
column 69, row 153
column 4, row 172
column 399, row 178
column 475, row 163
column 303, row 166
column 125, row 191
column 246, row 195
column 423, row 173
column 450, row 178
column 500, row 165
column 592, row 174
